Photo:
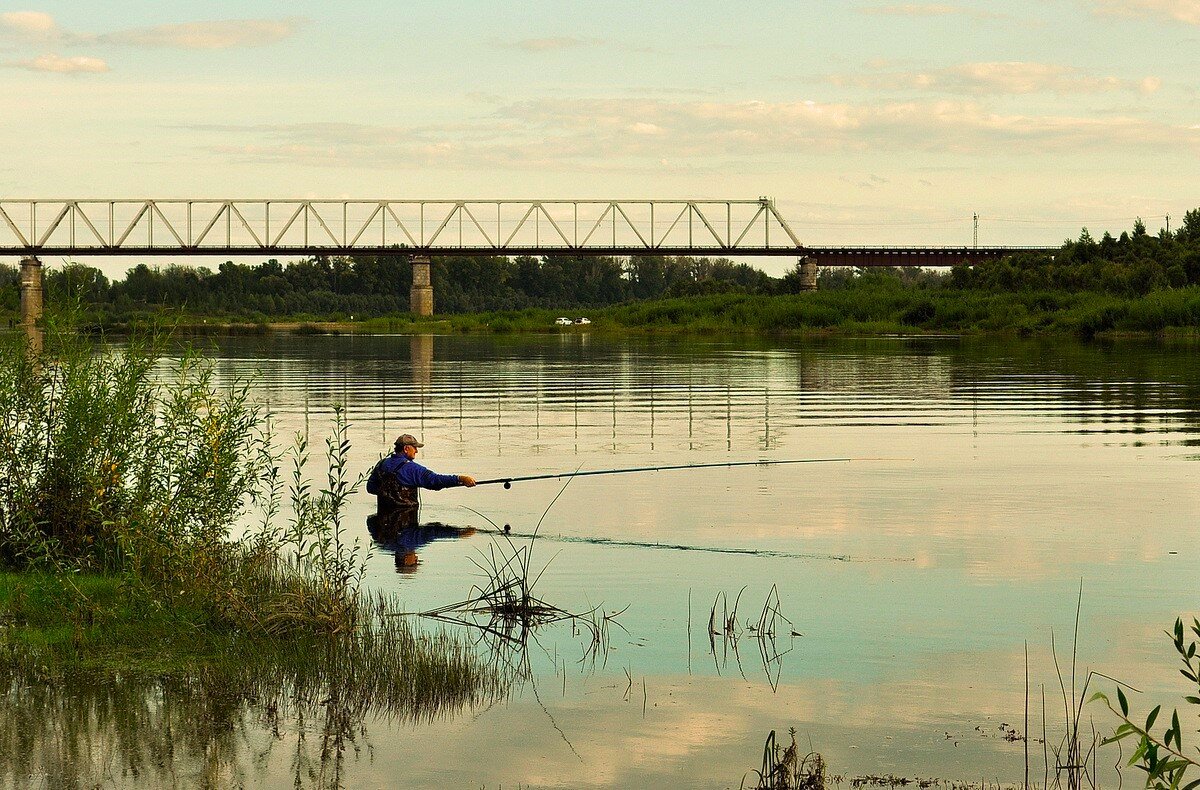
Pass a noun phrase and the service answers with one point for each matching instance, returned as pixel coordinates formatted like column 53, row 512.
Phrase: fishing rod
column 508, row 481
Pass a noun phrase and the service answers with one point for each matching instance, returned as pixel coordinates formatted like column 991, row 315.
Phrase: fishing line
column 601, row 541
column 508, row 481
column 638, row 544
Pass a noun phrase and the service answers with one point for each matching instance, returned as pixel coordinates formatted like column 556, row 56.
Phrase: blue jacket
column 408, row 473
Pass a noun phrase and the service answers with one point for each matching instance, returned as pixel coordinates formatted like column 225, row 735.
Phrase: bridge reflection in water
column 562, row 395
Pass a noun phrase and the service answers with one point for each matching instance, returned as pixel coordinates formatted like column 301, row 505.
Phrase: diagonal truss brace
column 316, row 227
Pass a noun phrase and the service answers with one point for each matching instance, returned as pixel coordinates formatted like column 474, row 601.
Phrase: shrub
column 99, row 455
column 1165, row 766
column 124, row 463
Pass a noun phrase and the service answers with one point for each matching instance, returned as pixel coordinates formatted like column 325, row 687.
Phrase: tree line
column 1133, row 264
column 379, row 284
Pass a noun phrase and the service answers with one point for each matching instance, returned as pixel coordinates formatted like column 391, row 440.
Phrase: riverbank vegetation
column 1137, row 282
column 124, row 476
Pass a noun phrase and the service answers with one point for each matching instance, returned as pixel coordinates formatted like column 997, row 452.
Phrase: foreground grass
column 89, row 622
column 119, row 485
column 54, row 628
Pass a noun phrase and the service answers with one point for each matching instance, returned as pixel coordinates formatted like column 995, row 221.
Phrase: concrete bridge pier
column 420, row 297
column 808, row 274
column 32, row 302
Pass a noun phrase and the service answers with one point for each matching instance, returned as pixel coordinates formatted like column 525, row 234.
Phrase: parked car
column 562, row 321
column 582, row 321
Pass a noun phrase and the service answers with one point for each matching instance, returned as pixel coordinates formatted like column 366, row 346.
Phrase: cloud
column 554, row 44
column 1013, row 77
column 926, row 9
column 60, row 65
column 29, row 24
column 641, row 127
column 36, row 26
column 638, row 135
column 1187, row 11
column 219, row 34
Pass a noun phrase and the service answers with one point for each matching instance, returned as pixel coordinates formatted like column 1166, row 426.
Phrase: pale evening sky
column 868, row 122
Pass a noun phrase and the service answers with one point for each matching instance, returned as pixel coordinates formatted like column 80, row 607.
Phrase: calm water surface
column 1016, row 471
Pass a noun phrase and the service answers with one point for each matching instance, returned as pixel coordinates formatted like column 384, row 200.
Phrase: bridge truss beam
column 344, row 227
column 868, row 257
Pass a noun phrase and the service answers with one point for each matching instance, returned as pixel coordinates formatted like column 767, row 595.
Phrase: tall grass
column 125, row 463
column 109, row 463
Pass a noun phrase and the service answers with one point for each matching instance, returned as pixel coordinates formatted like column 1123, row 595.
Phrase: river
column 995, row 485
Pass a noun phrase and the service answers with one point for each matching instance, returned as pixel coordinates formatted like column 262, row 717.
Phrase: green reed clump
column 110, row 463
column 122, row 462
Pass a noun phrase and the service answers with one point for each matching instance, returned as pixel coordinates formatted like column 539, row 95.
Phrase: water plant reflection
column 216, row 725
column 725, row 633
column 505, row 611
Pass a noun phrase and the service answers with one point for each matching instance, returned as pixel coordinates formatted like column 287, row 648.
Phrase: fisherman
column 395, row 480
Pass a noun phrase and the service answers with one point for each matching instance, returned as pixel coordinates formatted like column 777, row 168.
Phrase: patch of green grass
column 100, row 623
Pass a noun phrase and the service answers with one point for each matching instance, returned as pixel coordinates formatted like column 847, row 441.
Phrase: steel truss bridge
column 184, row 227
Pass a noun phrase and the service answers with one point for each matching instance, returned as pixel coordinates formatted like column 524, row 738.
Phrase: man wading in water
column 395, row 479
column 394, row 482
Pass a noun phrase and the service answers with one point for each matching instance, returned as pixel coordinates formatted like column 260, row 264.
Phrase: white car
column 583, row 321
column 562, row 321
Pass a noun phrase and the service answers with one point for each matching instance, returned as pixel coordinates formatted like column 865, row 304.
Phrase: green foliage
column 1135, row 264
column 371, row 286
column 1162, row 758
column 99, row 455
column 123, row 463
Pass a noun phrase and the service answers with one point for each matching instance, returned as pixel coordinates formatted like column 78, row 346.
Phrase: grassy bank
column 100, row 680
column 121, row 478
column 873, row 306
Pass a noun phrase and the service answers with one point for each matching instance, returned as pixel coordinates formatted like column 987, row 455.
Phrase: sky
column 868, row 122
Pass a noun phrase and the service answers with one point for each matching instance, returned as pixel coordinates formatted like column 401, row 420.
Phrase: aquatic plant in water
column 725, row 633
column 783, row 768
column 1165, row 765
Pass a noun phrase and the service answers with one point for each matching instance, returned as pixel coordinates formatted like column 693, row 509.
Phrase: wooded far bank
column 1135, row 282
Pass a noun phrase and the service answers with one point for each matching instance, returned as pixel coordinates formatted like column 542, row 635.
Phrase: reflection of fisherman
column 405, row 540
column 395, row 479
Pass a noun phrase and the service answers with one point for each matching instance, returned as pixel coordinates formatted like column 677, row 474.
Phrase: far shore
column 871, row 310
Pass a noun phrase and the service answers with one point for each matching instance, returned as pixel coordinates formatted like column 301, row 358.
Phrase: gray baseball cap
column 407, row 438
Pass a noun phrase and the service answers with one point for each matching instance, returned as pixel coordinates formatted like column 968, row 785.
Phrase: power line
column 1081, row 222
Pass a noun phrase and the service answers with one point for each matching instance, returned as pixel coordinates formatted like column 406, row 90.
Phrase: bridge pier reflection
column 420, row 349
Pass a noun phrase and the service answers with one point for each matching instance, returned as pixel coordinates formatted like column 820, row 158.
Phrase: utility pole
column 1168, row 224
column 976, row 217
